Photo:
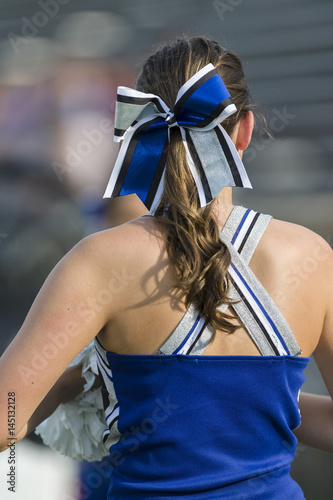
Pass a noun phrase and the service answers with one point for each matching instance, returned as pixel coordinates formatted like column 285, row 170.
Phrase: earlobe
column 245, row 130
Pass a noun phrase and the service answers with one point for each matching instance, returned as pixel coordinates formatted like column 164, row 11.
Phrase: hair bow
column 142, row 124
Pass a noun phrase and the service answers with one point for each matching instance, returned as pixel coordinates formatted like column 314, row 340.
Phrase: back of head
column 199, row 257
column 169, row 68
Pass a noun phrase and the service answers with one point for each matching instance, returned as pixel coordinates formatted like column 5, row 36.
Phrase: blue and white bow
column 143, row 122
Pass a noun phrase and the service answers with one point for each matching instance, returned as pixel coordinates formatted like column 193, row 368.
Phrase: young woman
column 201, row 342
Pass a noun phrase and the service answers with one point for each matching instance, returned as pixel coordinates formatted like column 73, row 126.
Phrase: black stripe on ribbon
column 230, row 159
column 118, row 132
column 248, row 232
column 141, row 101
column 157, row 177
column 129, row 155
column 198, row 165
column 255, row 317
column 215, row 113
column 192, row 89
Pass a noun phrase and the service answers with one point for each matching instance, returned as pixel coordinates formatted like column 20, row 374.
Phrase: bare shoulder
column 123, row 254
column 295, row 242
column 128, row 259
column 125, row 243
column 293, row 256
column 301, row 258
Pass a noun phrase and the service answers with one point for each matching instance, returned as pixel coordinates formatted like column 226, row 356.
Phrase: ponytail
column 199, row 258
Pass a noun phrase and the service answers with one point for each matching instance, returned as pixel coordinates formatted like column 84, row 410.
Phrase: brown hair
column 199, row 257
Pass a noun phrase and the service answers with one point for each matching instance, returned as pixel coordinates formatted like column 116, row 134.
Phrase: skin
column 110, row 286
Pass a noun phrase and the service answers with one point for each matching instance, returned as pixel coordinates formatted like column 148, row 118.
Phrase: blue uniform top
column 183, row 424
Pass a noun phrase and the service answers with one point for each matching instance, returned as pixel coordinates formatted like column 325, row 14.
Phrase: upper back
column 290, row 262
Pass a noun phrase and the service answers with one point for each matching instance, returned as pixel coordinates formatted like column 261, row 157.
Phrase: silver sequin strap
column 250, row 226
column 256, row 309
column 191, row 336
column 263, row 319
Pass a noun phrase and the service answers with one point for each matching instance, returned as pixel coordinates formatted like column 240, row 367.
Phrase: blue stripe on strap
column 188, row 335
column 240, row 226
column 261, row 307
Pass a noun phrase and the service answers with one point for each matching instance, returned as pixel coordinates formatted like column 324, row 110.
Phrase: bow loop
column 133, row 106
column 143, row 123
column 203, row 101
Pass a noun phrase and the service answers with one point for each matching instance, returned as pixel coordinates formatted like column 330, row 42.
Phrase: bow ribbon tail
column 214, row 162
column 196, row 169
column 237, row 168
column 140, row 163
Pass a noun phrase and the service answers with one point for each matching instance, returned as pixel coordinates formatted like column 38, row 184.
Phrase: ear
column 244, row 131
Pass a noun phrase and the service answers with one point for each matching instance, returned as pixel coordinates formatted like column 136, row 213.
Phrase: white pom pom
column 75, row 429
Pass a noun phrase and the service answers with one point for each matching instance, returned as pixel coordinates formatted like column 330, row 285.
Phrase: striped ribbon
column 142, row 124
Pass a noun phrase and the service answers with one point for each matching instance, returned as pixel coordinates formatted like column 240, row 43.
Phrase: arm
column 316, row 428
column 69, row 385
column 60, row 323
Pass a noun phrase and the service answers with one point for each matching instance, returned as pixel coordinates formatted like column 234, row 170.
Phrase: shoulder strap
column 191, row 336
column 250, row 226
column 254, row 306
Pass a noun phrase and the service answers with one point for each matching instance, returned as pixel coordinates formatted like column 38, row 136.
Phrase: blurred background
column 60, row 64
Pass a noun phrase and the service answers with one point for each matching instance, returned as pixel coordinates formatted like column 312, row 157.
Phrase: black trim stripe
column 248, row 232
column 141, row 101
column 102, row 362
column 103, row 351
column 255, row 317
column 196, row 339
column 192, row 89
column 113, row 421
column 106, row 435
column 133, row 100
column 197, row 163
column 109, row 430
column 118, row 132
column 157, row 177
column 110, row 426
column 129, row 155
column 215, row 113
column 229, row 157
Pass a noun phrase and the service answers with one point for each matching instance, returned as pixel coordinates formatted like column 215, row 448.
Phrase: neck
column 223, row 206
